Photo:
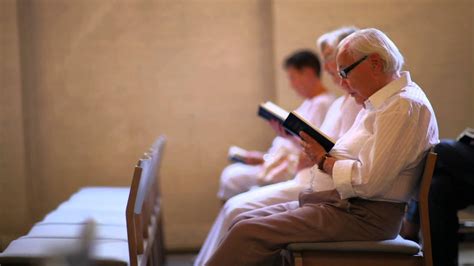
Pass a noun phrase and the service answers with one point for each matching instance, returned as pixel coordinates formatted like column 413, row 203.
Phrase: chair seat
column 398, row 245
column 81, row 216
column 93, row 205
column 105, row 191
column 37, row 249
column 70, row 205
column 103, row 194
column 99, row 199
column 102, row 232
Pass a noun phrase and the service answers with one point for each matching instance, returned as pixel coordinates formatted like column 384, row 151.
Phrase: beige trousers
column 257, row 237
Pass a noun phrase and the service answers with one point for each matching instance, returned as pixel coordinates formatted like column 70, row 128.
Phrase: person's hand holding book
column 312, row 148
column 304, row 162
column 280, row 130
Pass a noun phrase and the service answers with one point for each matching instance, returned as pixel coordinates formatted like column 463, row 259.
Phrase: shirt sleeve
column 398, row 135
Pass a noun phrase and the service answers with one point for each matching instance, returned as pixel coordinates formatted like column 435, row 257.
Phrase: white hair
column 373, row 41
column 333, row 38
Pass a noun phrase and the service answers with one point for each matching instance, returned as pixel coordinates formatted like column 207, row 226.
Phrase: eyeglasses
column 345, row 71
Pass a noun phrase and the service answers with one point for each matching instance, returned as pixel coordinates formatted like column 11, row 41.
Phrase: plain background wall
column 90, row 84
column 14, row 212
column 103, row 78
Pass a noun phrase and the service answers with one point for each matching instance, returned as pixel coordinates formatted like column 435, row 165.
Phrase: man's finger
column 302, row 143
column 306, row 137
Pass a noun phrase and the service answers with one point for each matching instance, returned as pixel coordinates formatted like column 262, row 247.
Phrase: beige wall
column 89, row 85
column 104, row 78
column 13, row 202
column 436, row 38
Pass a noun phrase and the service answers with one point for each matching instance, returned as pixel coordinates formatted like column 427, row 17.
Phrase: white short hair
column 373, row 41
column 333, row 38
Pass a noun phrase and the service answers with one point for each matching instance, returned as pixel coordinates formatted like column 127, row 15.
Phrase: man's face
column 359, row 80
column 300, row 79
column 330, row 65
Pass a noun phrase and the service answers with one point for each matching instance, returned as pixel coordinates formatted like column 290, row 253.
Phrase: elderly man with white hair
column 374, row 166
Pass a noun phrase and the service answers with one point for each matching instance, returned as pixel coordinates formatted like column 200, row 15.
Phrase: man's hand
column 303, row 162
column 253, row 158
column 278, row 128
column 312, row 148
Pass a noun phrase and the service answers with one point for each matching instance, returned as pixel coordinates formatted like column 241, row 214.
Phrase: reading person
column 303, row 70
column 338, row 120
column 374, row 166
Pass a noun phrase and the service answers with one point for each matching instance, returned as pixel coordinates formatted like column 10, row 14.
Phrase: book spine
column 267, row 115
column 295, row 126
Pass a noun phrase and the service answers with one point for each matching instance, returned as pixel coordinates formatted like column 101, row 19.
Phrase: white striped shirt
column 380, row 157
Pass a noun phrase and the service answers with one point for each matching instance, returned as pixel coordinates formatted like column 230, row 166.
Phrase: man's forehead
column 342, row 56
column 344, row 49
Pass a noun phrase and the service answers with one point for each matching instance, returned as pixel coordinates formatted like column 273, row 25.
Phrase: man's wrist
column 322, row 161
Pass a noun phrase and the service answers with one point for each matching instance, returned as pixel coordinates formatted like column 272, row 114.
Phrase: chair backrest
column 158, row 147
column 157, row 154
column 150, row 184
column 133, row 212
column 423, row 207
column 146, row 163
column 134, row 239
column 140, row 204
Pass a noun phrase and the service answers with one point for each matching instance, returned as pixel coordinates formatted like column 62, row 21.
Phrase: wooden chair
column 370, row 253
column 34, row 250
column 136, row 244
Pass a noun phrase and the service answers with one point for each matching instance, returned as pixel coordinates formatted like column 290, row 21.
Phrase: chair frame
column 145, row 226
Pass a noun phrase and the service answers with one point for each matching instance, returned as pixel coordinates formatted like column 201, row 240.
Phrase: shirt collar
column 379, row 97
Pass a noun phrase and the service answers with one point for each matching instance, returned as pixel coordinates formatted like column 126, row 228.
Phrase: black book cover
column 295, row 123
column 271, row 111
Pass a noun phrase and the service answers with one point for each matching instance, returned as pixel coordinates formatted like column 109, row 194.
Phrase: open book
column 271, row 111
column 296, row 123
column 236, row 154
column 467, row 136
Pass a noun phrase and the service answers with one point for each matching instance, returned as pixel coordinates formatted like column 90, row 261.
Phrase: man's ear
column 376, row 63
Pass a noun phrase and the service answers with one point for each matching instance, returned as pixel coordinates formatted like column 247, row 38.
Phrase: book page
column 275, row 109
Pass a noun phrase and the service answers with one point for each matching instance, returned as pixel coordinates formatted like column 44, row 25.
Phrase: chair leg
column 150, row 260
column 298, row 259
column 156, row 254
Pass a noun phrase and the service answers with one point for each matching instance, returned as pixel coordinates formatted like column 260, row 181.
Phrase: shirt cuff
column 342, row 177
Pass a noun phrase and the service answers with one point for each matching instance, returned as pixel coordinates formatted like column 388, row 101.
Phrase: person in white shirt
column 303, row 70
column 374, row 166
column 338, row 120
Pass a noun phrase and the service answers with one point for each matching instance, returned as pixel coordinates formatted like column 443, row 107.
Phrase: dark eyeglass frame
column 345, row 71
